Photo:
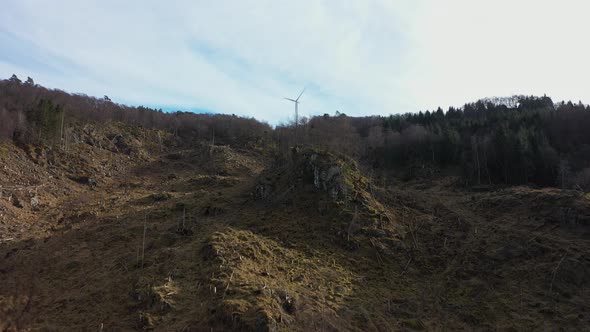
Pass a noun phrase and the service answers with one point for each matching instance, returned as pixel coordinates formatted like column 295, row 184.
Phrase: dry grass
column 431, row 257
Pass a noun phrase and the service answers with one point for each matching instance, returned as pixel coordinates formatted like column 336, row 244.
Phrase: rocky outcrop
column 309, row 169
column 327, row 176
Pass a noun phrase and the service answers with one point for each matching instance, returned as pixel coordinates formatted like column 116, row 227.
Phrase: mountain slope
column 195, row 237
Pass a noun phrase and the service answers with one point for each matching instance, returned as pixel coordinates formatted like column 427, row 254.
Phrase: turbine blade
column 291, row 99
column 300, row 94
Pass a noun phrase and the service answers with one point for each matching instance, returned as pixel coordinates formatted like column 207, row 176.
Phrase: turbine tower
column 296, row 101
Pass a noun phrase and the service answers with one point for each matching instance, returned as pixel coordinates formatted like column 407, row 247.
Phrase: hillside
column 305, row 166
column 134, row 229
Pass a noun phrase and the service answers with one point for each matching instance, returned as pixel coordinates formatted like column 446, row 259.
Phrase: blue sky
column 242, row 57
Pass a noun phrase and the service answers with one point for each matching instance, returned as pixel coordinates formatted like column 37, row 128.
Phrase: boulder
column 35, row 203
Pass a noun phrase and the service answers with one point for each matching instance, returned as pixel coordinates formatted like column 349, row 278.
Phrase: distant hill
column 33, row 114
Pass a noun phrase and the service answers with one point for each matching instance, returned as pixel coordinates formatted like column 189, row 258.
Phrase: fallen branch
column 143, row 242
column 228, row 283
column 407, row 264
column 555, row 272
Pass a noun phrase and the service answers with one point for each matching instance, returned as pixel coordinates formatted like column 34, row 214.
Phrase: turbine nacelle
column 296, row 100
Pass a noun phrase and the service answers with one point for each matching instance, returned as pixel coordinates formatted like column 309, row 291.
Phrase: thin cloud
column 243, row 57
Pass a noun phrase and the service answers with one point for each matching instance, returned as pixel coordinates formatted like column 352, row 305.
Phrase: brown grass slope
column 236, row 241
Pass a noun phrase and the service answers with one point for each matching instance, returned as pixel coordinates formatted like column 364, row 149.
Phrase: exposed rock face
column 121, row 143
column 328, row 183
column 327, row 177
column 262, row 191
column 16, row 202
column 35, row 203
column 309, row 170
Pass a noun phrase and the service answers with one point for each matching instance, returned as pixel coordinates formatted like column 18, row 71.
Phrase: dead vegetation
column 199, row 238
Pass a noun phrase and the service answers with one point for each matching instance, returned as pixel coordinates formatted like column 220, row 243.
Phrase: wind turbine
column 296, row 101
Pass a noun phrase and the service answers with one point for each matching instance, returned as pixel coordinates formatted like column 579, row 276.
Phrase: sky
column 360, row 57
